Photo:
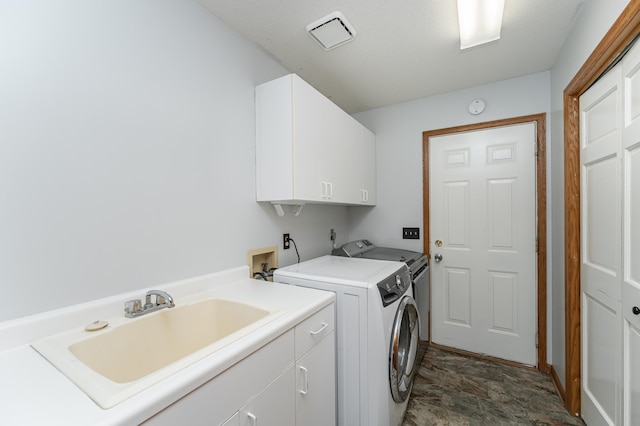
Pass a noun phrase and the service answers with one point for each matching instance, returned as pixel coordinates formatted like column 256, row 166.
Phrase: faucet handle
column 132, row 306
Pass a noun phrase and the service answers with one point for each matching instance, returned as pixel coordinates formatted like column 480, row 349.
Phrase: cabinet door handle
column 305, row 381
column 253, row 418
column 327, row 190
column 320, row 330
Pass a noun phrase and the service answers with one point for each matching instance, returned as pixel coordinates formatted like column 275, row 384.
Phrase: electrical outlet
column 285, row 241
column 410, row 233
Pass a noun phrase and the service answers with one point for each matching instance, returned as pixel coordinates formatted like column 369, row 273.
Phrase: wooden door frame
column 541, row 206
column 624, row 30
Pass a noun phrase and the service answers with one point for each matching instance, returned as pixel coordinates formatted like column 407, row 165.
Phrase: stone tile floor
column 452, row 389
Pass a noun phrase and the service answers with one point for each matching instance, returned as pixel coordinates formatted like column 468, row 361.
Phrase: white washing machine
column 377, row 334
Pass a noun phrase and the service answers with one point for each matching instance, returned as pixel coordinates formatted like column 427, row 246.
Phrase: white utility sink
column 114, row 363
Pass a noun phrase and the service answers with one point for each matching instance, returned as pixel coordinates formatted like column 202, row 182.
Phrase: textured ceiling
column 404, row 49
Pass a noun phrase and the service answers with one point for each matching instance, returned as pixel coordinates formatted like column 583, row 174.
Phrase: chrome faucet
column 134, row 308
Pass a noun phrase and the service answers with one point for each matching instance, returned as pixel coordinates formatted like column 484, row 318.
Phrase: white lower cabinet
column 273, row 406
column 316, row 369
column 264, row 388
column 233, row 421
column 316, row 385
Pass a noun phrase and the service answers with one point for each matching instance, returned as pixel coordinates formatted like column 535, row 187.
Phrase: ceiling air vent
column 331, row 31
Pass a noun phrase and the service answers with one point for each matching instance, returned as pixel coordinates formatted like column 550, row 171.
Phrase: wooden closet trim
column 624, row 30
column 541, row 212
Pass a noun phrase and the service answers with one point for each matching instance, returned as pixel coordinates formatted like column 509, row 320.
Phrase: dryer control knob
column 399, row 282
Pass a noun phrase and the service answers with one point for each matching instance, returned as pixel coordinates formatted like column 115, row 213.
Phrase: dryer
column 377, row 334
column 417, row 262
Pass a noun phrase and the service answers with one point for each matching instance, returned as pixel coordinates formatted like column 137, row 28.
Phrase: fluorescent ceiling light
column 480, row 21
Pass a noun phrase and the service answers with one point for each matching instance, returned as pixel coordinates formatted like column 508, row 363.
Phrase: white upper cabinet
column 308, row 150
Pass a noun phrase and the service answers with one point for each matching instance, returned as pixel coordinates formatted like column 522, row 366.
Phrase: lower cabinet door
column 274, row 406
column 316, row 385
column 233, row 421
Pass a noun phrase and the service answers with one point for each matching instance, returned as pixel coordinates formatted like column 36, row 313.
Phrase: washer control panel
column 354, row 248
column 394, row 286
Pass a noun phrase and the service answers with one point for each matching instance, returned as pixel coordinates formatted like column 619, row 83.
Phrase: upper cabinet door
column 308, row 150
column 367, row 162
column 318, row 138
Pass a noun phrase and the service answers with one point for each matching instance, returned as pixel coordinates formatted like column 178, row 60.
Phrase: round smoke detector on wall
column 476, row 107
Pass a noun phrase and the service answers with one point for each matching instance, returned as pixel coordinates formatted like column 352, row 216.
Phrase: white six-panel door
column 631, row 238
column 610, row 228
column 482, row 222
column 610, row 273
column 600, row 137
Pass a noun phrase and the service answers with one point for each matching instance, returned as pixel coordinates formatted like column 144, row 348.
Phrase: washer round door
column 404, row 348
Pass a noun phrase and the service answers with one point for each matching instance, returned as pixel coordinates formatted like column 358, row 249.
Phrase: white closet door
column 600, row 140
column 631, row 238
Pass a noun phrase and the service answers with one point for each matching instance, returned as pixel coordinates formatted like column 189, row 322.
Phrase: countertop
column 34, row 392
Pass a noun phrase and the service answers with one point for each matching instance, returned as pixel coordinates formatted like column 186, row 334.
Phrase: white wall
column 398, row 130
column 592, row 23
column 127, row 151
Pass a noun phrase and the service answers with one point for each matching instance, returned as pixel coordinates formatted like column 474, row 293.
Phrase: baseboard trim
column 555, row 379
column 488, row 358
column 558, row 384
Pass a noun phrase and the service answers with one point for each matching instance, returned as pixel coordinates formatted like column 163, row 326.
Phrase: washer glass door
column 404, row 349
